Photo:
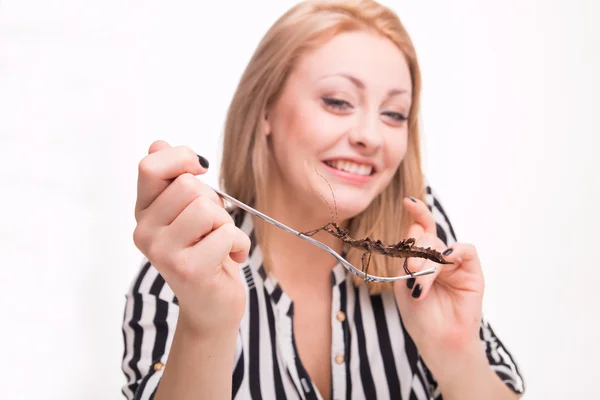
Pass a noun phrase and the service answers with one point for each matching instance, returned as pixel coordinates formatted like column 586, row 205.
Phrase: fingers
column 158, row 168
column 420, row 286
column 199, row 218
column 225, row 240
column 415, row 231
column 421, row 214
column 465, row 257
column 175, row 247
column 464, row 274
column 180, row 216
column 184, row 190
column 424, row 231
column 157, row 146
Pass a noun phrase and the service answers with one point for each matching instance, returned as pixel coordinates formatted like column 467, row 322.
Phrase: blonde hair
column 245, row 158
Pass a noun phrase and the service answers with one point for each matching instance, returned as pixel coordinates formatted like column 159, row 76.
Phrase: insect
column 403, row 249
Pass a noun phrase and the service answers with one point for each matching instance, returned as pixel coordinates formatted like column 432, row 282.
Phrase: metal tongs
column 351, row 268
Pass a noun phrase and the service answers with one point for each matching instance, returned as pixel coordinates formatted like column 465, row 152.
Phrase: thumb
column 415, row 231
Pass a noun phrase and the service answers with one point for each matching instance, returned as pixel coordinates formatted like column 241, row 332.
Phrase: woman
column 227, row 306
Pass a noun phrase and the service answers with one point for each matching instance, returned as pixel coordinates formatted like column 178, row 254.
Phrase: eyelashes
column 337, row 103
column 343, row 105
column 397, row 116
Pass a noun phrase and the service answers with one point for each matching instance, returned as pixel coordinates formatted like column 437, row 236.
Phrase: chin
column 358, row 209
column 346, row 210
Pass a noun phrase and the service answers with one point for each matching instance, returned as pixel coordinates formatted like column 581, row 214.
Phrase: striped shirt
column 373, row 356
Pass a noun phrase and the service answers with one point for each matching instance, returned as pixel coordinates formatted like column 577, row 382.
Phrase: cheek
column 396, row 149
column 305, row 127
column 294, row 137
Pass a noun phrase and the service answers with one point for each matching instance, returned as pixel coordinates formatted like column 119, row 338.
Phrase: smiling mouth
column 351, row 167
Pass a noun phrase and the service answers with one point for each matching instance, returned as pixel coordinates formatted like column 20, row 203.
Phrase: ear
column 266, row 124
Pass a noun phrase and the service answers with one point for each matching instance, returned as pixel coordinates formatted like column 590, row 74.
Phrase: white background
column 510, row 130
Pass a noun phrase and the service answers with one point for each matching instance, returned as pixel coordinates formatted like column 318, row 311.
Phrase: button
column 339, row 358
column 158, row 366
column 341, row 316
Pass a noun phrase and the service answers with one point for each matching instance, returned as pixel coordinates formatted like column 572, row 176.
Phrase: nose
column 366, row 136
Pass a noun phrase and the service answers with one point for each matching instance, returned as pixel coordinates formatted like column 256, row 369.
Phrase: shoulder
column 445, row 230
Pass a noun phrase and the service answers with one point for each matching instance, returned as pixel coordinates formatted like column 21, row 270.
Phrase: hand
column 442, row 313
column 188, row 236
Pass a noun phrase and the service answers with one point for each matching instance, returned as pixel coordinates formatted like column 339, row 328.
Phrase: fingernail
column 417, row 291
column 410, row 282
column 412, row 199
column 203, row 161
column 447, row 252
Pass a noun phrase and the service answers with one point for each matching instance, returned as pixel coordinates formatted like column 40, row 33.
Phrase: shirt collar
column 255, row 259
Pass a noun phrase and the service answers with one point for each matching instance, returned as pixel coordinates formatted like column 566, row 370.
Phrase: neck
column 297, row 264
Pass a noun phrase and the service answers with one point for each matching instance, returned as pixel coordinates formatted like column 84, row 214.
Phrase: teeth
column 351, row 167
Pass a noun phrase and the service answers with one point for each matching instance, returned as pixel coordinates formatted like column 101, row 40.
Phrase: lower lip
column 354, row 178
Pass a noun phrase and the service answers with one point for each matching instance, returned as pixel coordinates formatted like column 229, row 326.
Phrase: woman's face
column 343, row 112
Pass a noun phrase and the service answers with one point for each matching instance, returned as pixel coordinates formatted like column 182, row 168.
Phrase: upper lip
column 355, row 160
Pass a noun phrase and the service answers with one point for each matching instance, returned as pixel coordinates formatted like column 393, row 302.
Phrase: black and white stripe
column 148, row 328
column 381, row 360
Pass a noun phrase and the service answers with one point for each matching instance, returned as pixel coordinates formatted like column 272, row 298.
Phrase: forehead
column 372, row 58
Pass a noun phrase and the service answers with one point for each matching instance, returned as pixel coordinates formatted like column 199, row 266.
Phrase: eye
column 336, row 103
column 396, row 116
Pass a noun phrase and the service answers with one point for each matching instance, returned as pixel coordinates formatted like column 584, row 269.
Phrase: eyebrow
column 359, row 84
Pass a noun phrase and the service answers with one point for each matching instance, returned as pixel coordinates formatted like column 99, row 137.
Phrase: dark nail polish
column 203, row 161
column 410, row 282
column 448, row 251
column 417, row 291
column 412, row 199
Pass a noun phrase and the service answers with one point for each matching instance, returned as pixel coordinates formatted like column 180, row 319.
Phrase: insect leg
column 314, row 231
column 411, row 243
column 365, row 264
column 405, row 266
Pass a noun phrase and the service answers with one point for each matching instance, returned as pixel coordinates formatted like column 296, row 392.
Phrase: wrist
column 199, row 325
column 451, row 366
column 191, row 332
column 468, row 375
column 199, row 364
